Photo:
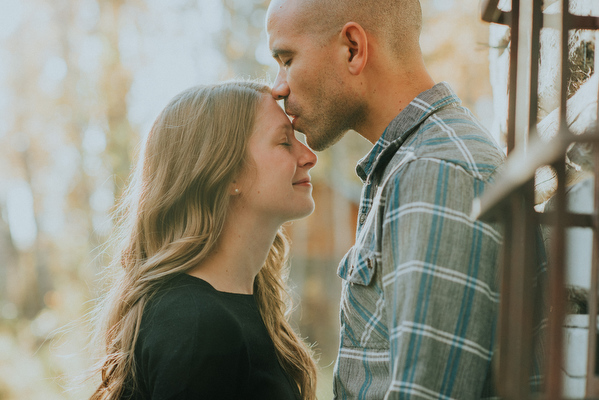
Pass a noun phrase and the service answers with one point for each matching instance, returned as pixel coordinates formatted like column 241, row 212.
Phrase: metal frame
column 511, row 200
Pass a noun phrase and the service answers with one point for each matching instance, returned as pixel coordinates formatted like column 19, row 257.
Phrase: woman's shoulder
column 189, row 317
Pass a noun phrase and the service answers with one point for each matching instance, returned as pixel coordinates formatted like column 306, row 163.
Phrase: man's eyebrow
column 280, row 52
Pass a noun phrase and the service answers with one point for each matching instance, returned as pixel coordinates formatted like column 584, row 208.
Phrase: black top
column 198, row 343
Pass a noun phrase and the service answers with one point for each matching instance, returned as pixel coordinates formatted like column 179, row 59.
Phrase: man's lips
column 292, row 116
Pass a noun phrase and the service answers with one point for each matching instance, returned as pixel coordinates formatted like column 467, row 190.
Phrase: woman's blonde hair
column 172, row 216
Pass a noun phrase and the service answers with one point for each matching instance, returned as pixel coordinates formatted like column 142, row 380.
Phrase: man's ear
column 354, row 38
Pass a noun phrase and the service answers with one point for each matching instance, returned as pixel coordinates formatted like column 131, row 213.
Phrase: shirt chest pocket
column 358, row 266
column 362, row 302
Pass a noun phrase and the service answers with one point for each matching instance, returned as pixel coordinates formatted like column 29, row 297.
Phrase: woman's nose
column 307, row 157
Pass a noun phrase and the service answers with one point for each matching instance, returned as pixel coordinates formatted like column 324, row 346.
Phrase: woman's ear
column 354, row 38
column 234, row 189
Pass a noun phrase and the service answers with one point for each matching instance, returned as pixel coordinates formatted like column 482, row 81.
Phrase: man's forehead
column 282, row 24
column 287, row 12
column 278, row 6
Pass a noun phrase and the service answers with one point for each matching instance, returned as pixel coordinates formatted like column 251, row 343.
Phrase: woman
column 199, row 311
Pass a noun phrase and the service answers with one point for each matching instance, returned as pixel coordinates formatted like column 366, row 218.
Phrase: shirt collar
column 402, row 126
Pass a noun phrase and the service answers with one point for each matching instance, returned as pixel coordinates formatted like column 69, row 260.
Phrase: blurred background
column 81, row 82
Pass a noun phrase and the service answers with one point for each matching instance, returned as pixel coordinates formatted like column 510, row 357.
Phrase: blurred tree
column 241, row 36
column 114, row 84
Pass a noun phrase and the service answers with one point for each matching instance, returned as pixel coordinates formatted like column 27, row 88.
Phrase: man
column 420, row 293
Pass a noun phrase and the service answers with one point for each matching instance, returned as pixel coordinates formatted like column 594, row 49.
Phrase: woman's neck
column 239, row 255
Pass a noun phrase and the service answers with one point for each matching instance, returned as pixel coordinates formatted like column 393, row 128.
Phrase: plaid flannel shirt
column 420, row 289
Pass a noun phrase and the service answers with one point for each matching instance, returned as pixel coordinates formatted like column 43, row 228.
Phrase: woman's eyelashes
column 286, row 140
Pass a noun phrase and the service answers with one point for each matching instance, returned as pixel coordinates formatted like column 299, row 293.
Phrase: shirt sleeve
column 186, row 357
column 440, row 283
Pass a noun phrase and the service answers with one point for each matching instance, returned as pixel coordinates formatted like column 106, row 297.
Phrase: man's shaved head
column 396, row 23
column 338, row 60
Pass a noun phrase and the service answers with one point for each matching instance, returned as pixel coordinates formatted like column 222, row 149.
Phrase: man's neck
column 390, row 93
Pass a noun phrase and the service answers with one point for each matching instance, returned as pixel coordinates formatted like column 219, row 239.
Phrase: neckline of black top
column 203, row 283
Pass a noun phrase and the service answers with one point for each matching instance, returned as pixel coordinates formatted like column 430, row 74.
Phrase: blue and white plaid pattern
column 420, row 289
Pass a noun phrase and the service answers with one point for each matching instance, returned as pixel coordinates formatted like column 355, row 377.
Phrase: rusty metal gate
column 511, row 201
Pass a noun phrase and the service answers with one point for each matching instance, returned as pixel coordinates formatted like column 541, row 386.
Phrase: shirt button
column 362, row 219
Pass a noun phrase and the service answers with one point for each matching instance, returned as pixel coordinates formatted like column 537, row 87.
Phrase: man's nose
column 280, row 89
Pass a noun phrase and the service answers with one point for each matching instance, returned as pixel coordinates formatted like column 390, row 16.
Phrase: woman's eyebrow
column 285, row 127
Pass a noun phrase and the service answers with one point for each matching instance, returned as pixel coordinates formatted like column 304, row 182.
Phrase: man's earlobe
column 355, row 39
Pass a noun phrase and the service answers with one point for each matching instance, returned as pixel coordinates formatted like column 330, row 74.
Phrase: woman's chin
column 304, row 212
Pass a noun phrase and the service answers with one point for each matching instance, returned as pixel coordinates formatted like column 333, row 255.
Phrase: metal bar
column 537, row 24
column 523, row 82
column 583, row 22
column 513, row 77
column 503, row 328
column 570, row 219
column 576, row 21
column 565, row 71
column 489, row 10
column 557, row 259
column 556, row 291
column 516, row 307
column 592, row 387
column 505, row 18
column 519, row 169
column 521, row 166
column 491, row 13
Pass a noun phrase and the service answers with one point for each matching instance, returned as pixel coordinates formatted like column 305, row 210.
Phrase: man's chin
column 320, row 142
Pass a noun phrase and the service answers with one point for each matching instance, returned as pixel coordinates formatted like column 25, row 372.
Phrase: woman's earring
column 236, row 191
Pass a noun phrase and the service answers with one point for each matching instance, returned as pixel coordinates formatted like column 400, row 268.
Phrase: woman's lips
column 303, row 182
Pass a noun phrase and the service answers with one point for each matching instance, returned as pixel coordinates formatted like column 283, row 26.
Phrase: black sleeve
column 186, row 354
